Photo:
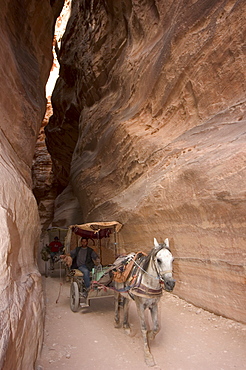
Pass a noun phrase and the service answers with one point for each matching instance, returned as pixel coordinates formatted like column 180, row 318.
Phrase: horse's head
column 163, row 261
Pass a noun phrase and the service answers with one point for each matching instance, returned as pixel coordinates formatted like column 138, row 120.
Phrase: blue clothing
column 86, row 276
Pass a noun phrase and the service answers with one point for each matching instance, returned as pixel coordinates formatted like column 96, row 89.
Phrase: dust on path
column 190, row 338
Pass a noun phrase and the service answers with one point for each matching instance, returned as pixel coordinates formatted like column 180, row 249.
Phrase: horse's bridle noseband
column 159, row 273
column 164, row 273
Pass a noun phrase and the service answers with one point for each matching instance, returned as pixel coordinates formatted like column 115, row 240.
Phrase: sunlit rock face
column 157, row 91
column 25, row 44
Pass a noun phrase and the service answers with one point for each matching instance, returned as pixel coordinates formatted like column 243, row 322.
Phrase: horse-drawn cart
column 137, row 276
column 52, row 262
column 103, row 236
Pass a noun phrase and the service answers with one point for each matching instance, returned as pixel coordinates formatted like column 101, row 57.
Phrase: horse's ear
column 156, row 244
column 166, row 241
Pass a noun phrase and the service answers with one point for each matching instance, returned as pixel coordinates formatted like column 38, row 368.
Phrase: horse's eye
column 158, row 260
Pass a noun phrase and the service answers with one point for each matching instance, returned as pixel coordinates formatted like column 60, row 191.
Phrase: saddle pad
column 121, row 276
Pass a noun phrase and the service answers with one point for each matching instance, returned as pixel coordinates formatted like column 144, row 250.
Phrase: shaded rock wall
column 45, row 187
column 48, row 184
column 26, row 58
column 67, row 210
column 157, row 91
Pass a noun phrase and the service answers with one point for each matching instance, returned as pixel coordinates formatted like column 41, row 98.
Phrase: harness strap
column 95, row 285
column 154, row 277
column 144, row 291
column 120, row 276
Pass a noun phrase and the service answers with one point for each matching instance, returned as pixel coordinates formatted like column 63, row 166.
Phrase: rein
column 146, row 272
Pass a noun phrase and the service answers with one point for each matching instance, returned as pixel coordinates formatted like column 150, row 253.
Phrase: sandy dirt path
column 190, row 338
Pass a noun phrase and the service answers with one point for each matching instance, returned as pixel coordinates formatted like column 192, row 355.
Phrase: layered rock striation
column 156, row 92
column 27, row 29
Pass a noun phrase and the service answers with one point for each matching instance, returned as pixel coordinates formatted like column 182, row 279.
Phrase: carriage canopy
column 96, row 231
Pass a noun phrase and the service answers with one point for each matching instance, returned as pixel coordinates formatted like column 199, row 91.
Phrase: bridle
column 159, row 273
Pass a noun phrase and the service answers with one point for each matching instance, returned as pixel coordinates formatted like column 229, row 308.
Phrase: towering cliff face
column 26, row 58
column 157, row 91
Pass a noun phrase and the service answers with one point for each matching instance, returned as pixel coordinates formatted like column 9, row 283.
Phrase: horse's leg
column 147, row 354
column 126, row 325
column 116, row 310
column 156, row 326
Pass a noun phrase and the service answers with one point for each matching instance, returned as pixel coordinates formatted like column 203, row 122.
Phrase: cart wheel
column 74, row 296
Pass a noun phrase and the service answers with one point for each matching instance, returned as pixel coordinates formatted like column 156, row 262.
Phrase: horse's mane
column 152, row 254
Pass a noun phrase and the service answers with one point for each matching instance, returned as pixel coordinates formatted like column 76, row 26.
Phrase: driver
column 85, row 258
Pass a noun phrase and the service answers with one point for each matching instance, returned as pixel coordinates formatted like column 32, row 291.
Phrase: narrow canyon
column 146, row 126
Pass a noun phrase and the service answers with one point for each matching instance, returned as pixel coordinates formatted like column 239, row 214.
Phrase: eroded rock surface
column 26, row 58
column 157, row 92
column 45, row 186
column 48, row 184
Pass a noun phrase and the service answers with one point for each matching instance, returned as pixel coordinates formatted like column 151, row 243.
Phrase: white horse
column 144, row 284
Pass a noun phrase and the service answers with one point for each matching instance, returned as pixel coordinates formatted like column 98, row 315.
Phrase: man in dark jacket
column 85, row 258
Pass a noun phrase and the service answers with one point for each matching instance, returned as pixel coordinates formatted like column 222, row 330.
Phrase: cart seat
column 76, row 272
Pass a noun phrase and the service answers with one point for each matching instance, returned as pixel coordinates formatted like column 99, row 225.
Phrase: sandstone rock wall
column 26, row 58
column 48, row 184
column 44, row 184
column 157, row 92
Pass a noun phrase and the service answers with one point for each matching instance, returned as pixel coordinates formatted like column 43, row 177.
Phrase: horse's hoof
column 149, row 360
column 127, row 331
column 151, row 335
column 117, row 325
